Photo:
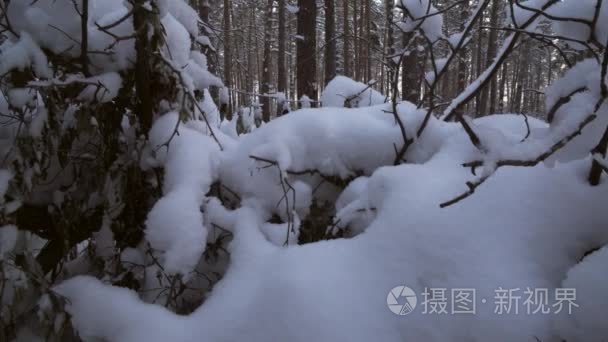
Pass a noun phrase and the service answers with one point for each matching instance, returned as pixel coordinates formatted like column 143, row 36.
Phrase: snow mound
column 590, row 279
column 175, row 224
column 345, row 92
column 506, row 236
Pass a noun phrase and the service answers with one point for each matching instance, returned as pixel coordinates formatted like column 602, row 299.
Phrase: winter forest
column 303, row 170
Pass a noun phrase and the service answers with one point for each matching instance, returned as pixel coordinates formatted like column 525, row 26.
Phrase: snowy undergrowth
column 509, row 234
column 175, row 224
column 345, row 92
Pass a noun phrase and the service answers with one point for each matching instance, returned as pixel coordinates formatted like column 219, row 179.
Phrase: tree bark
column 330, row 42
column 265, row 89
column 411, row 75
column 227, row 57
column 461, row 68
column 346, row 43
column 368, row 37
column 489, row 94
column 388, row 45
column 143, row 89
column 281, row 69
column 306, row 46
column 356, row 41
column 480, row 109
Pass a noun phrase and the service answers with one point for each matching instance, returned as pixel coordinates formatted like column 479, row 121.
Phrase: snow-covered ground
column 524, row 229
column 533, row 236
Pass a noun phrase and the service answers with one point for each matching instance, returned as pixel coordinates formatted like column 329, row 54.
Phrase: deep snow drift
column 524, row 228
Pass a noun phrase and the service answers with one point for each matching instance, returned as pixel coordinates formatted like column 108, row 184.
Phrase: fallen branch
column 337, row 181
column 515, row 162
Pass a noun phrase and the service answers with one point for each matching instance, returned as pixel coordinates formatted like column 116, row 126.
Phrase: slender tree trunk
column 143, row 89
column 389, row 45
column 330, row 41
column 227, row 57
column 521, row 80
column 306, row 46
column 480, row 110
column 461, row 68
column 266, row 72
column 84, row 38
column 203, row 11
column 346, row 46
column 501, row 92
column 361, row 57
column 256, row 44
column 492, row 48
column 355, row 40
column 410, row 77
column 368, row 36
column 281, row 71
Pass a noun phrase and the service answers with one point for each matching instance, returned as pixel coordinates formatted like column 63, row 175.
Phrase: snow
column 523, row 14
column 185, row 14
column 590, row 279
column 174, row 226
column 582, row 75
column 210, row 110
column 55, row 25
column 584, row 9
column 5, row 178
column 104, row 240
column 324, row 139
column 305, row 101
column 523, row 228
column 418, row 10
column 116, row 326
column 178, row 41
column 21, row 97
column 292, row 8
column 39, row 119
column 23, row 54
column 197, row 69
column 282, row 234
column 249, row 115
column 531, row 244
column 224, row 96
column 102, row 88
column 359, row 94
column 8, row 239
column 507, row 235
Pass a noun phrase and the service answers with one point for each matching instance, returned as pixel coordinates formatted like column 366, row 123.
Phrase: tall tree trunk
column 227, row 57
column 306, row 46
column 411, row 75
column 501, row 92
column 143, row 48
column 330, row 42
column 388, row 45
column 461, row 68
column 204, row 10
column 346, row 44
column 522, row 80
column 480, row 103
column 266, row 72
column 489, row 94
column 368, row 46
column 356, row 40
column 513, row 88
column 360, row 57
column 281, row 71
